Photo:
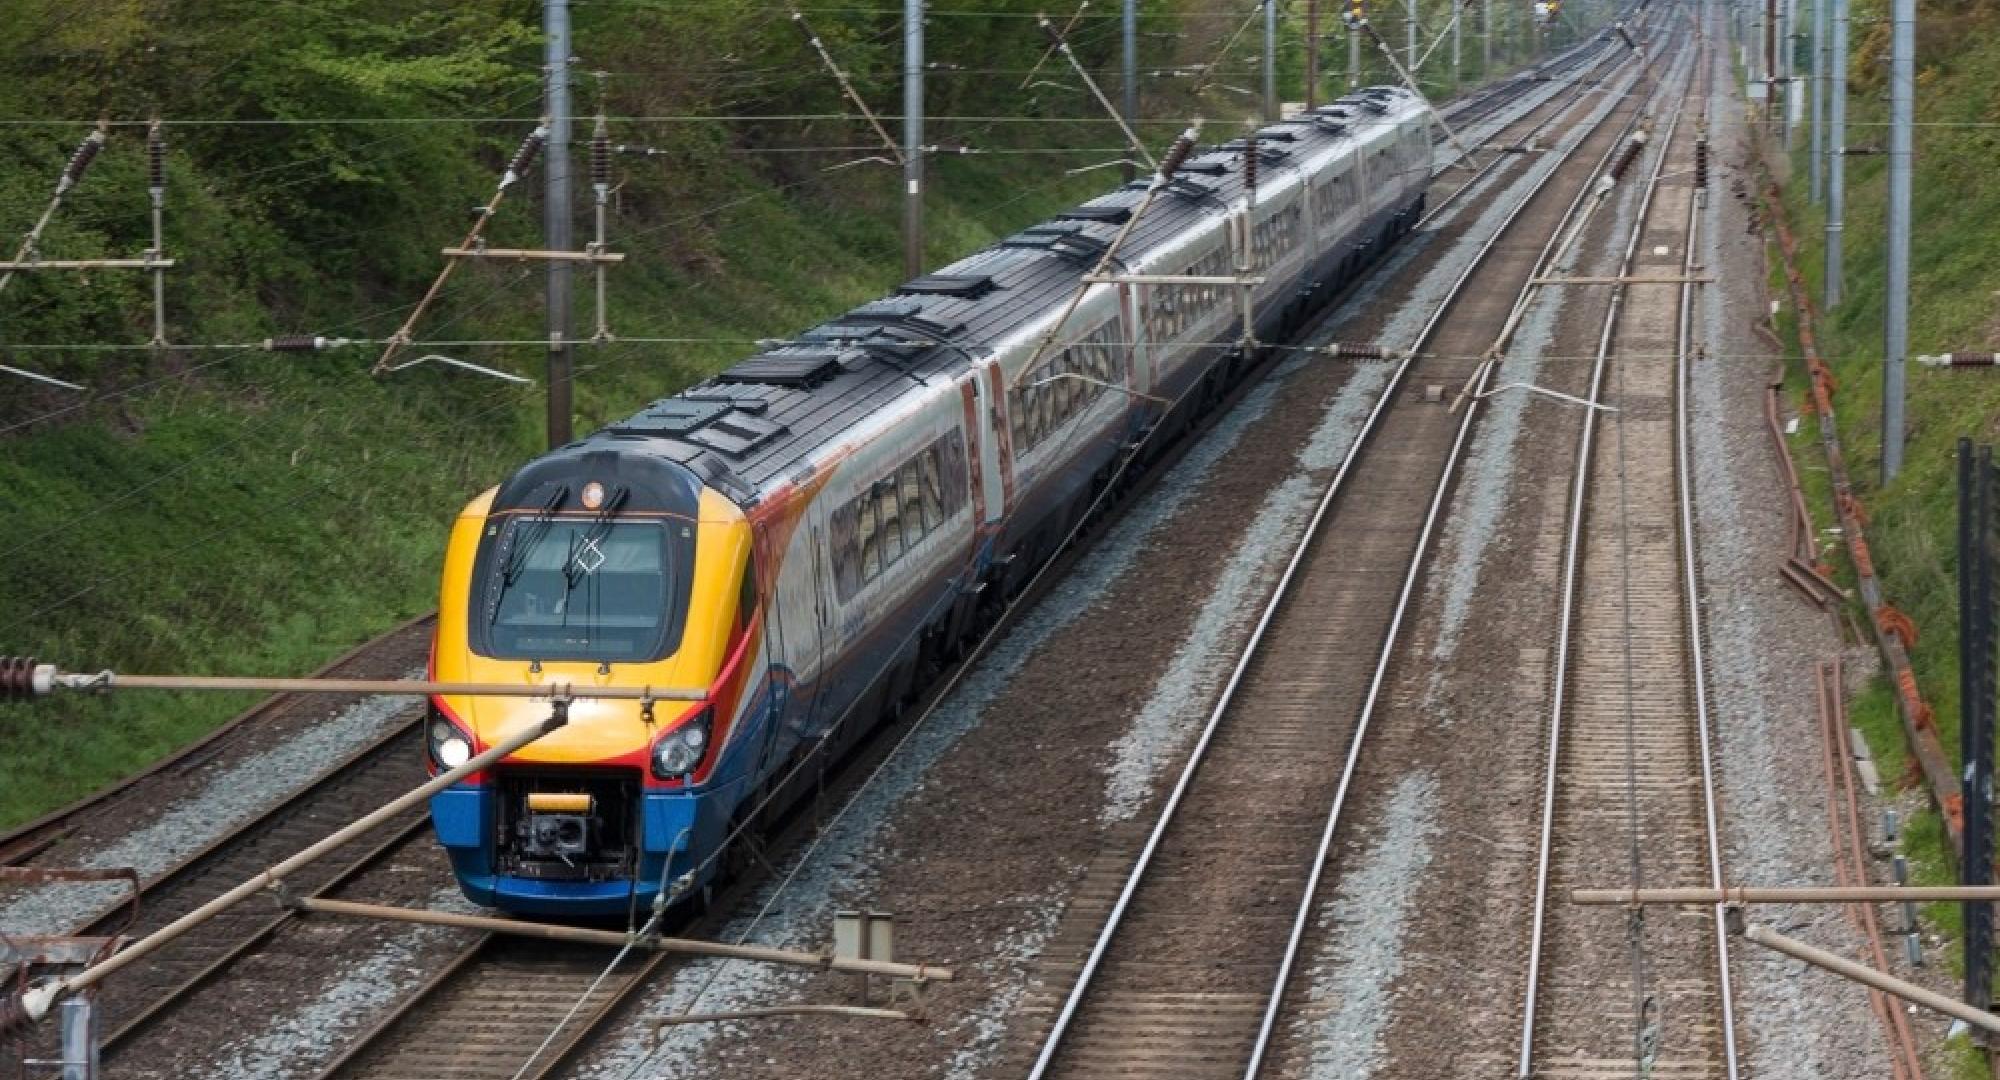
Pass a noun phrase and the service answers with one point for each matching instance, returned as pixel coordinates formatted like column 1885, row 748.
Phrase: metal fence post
column 1978, row 554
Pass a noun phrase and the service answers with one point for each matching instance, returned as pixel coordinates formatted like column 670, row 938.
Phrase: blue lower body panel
column 673, row 833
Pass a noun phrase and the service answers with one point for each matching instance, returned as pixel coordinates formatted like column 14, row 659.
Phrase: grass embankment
column 1955, row 259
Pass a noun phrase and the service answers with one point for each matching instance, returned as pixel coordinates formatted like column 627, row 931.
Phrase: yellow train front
column 595, row 566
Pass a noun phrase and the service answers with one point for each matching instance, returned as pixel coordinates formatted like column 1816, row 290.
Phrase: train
column 809, row 536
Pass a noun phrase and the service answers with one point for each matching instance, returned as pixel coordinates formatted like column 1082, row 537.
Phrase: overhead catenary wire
column 516, row 169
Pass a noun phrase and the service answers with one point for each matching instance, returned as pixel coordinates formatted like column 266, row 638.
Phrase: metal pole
column 1312, row 53
column 913, row 138
column 1130, row 21
column 1486, row 40
column 556, row 216
column 21, row 678
column 36, row 1002
column 1818, row 169
column 1706, row 896
column 1868, row 976
column 1836, row 180
column 156, row 190
column 1410, row 28
column 1896, row 336
column 1457, row 45
column 611, row 938
column 1771, row 61
column 1353, row 58
column 1271, row 108
column 1787, row 22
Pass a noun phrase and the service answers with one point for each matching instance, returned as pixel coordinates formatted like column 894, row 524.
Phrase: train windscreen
column 583, row 589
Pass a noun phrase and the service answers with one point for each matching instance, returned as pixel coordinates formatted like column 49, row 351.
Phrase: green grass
column 1955, row 257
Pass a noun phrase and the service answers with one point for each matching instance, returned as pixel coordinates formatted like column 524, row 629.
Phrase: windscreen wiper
column 538, row 527
column 600, row 526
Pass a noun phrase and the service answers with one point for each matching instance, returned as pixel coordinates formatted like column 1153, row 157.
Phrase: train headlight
column 679, row 751
column 450, row 747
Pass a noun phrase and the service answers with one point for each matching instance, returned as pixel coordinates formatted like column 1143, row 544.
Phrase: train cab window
column 931, row 483
column 746, row 598
column 583, row 590
column 892, row 525
column 871, row 540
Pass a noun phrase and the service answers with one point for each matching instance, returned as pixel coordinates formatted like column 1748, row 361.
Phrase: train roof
column 752, row 424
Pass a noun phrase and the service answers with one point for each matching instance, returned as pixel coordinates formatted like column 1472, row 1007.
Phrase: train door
column 992, row 462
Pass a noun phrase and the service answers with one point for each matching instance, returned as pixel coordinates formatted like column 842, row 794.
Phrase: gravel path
column 1349, row 999
column 1764, row 639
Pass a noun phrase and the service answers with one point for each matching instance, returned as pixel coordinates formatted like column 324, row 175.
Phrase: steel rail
column 1691, row 577
column 1080, row 989
column 162, row 1004
column 1303, row 917
column 1577, row 87
column 379, row 752
column 575, row 1029
column 1573, row 545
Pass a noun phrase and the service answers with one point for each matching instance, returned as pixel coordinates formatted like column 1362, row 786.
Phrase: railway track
column 379, row 772
column 1181, row 963
column 346, row 787
column 477, row 993
column 35, row 842
column 504, row 1008
column 1628, row 739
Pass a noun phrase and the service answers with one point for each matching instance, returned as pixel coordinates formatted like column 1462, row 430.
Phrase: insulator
column 1250, row 164
column 1630, row 154
column 1177, row 155
column 14, row 1015
column 1054, row 37
column 1345, row 351
column 295, row 343
column 1701, row 163
column 17, row 678
column 86, row 152
column 600, row 156
column 525, row 156
column 156, row 156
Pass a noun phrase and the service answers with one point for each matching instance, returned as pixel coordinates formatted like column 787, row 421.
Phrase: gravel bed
column 299, row 1040
column 217, row 800
column 1348, row 1002
column 1763, row 642
column 840, row 864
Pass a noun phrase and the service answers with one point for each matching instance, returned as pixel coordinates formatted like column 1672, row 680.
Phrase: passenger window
column 871, row 540
column 956, row 477
column 933, row 485
column 892, row 532
column 914, row 523
column 841, row 529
